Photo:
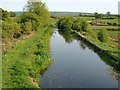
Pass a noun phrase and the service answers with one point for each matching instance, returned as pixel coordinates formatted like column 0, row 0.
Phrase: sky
column 91, row 6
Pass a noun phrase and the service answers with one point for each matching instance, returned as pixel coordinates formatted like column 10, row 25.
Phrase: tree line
column 79, row 25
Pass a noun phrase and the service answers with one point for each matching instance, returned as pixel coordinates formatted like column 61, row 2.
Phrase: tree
column 12, row 14
column 108, row 14
column 98, row 16
column 39, row 9
column 80, row 14
column 95, row 14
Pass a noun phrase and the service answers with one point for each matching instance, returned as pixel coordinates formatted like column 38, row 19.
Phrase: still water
column 75, row 66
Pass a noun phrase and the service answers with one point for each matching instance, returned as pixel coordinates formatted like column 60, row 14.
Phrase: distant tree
column 108, row 14
column 95, row 14
column 12, row 14
column 98, row 16
column 80, row 14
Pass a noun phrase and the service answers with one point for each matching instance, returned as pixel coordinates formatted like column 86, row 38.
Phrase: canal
column 75, row 65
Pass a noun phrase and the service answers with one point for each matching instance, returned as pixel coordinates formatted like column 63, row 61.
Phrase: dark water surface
column 76, row 66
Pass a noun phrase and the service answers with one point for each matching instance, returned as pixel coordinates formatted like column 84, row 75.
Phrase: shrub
column 10, row 29
column 84, row 26
column 77, row 25
column 26, row 28
column 65, row 23
column 102, row 36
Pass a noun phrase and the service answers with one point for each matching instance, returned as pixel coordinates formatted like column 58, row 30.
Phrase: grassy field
column 104, row 20
column 111, row 45
column 23, row 63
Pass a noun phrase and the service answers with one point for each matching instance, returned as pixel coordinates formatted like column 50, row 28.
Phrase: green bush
column 102, row 36
column 26, row 28
column 10, row 30
column 65, row 23
column 84, row 26
column 77, row 25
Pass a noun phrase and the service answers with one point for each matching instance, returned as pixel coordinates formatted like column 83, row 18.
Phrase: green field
column 111, row 45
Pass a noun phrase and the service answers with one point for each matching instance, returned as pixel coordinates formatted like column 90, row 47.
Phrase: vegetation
column 24, row 59
column 98, row 16
column 68, row 23
column 12, row 14
column 102, row 36
column 4, row 15
column 28, row 57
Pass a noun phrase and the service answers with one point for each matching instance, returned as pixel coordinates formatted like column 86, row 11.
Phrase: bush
column 65, row 23
column 77, row 25
column 10, row 30
column 84, row 26
column 102, row 36
column 26, row 28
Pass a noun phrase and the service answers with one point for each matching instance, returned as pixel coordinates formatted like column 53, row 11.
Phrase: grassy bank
column 22, row 63
column 111, row 45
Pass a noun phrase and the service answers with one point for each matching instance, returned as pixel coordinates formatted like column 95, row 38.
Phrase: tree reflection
column 66, row 35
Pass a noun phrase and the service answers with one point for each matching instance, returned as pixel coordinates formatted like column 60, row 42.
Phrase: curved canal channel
column 75, row 65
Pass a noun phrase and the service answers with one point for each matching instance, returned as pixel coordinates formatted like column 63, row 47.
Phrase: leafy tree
column 12, row 14
column 65, row 23
column 39, row 9
column 80, row 14
column 97, row 16
column 108, row 14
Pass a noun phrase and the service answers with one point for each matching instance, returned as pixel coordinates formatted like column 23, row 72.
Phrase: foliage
column 12, row 14
column 26, row 64
column 39, row 10
column 68, row 23
column 77, row 24
column 98, row 16
column 9, row 30
column 26, row 28
column 102, row 36
column 84, row 26
column 4, row 15
column 65, row 23
column 108, row 14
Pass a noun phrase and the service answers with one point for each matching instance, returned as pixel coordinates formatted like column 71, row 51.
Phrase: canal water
column 75, row 65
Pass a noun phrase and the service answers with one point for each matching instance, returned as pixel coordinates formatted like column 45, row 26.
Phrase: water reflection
column 69, row 35
column 77, row 65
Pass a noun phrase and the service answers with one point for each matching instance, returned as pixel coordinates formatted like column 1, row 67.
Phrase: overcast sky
column 100, row 6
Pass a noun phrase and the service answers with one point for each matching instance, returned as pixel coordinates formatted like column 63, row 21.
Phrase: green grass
column 111, row 45
column 104, row 20
column 22, row 63
column 87, row 18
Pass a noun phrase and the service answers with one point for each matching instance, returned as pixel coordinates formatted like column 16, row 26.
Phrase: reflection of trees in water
column 66, row 35
column 69, row 37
